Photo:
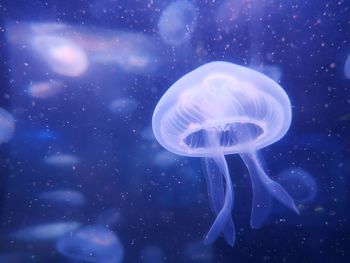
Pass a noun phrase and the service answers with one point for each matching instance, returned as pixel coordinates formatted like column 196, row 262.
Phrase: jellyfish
column 123, row 106
column 109, row 218
column 91, row 244
column 45, row 89
column 299, row 183
column 152, row 254
column 7, row 126
column 63, row 196
column 63, row 55
column 218, row 109
column 59, row 159
column 49, row 231
column 198, row 252
column 272, row 71
column 177, row 22
column 347, row 67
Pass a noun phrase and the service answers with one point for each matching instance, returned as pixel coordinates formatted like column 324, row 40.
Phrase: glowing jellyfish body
column 92, row 244
column 218, row 109
column 347, row 67
column 177, row 22
column 7, row 126
column 64, row 56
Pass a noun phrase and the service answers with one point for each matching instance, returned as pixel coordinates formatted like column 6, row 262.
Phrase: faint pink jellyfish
column 45, row 89
column 64, row 56
column 91, row 244
column 218, row 109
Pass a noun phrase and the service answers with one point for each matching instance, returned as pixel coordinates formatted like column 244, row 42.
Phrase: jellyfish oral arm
column 216, row 194
column 263, row 188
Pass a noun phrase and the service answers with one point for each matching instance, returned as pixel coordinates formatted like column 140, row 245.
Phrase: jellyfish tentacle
column 224, row 215
column 261, row 203
column 216, row 194
column 263, row 187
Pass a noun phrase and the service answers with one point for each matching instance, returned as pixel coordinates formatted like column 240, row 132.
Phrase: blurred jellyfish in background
column 165, row 159
column 347, row 67
column 91, row 244
column 123, row 106
column 152, row 254
column 15, row 257
column 109, row 218
column 63, row 55
column 147, row 134
column 62, row 160
column 133, row 52
column 71, row 50
column 7, row 126
column 177, row 22
column 45, row 27
column 228, row 15
column 45, row 89
column 198, row 252
column 43, row 232
column 299, row 184
column 100, row 8
column 37, row 136
column 63, row 196
column 272, row 71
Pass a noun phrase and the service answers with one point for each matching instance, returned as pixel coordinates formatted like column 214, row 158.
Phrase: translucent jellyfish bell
column 219, row 109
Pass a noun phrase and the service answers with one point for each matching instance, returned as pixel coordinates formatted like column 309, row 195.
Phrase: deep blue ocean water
column 79, row 162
